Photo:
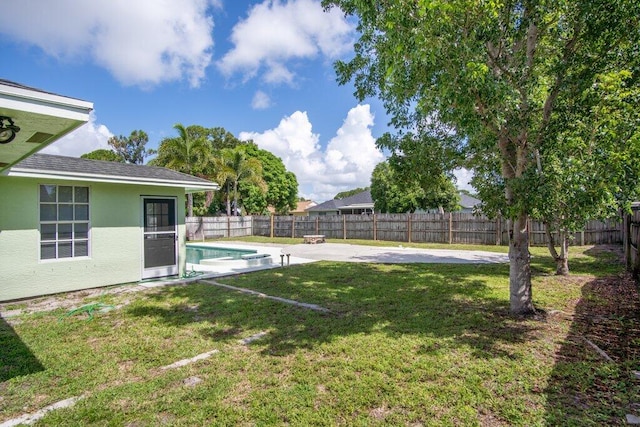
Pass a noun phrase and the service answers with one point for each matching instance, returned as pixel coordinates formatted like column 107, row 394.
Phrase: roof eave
column 358, row 206
column 42, row 118
column 189, row 186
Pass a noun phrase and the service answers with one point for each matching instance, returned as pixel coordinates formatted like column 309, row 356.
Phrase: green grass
column 402, row 345
column 379, row 243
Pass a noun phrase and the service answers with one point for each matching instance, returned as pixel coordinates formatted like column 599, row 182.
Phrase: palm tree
column 185, row 154
column 237, row 168
column 222, row 175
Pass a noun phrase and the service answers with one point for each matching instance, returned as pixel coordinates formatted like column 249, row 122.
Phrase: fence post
column 293, row 226
column 344, row 227
column 450, row 227
column 228, row 226
column 582, row 238
column 375, row 228
column 636, row 260
column 409, row 224
column 317, row 225
column 271, row 226
column 498, row 231
column 626, row 231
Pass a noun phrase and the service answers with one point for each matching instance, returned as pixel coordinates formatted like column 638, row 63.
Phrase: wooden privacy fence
column 464, row 228
column 631, row 240
column 212, row 227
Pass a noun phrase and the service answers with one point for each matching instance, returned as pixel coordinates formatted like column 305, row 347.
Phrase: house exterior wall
column 115, row 239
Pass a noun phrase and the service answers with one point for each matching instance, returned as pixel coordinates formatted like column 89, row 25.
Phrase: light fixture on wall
column 8, row 130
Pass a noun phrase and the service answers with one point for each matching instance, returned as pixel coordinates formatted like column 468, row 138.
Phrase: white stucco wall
column 116, row 238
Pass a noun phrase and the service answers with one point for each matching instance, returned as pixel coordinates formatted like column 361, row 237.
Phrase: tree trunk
column 514, row 162
column 208, row 199
column 189, row 204
column 228, row 199
column 562, row 258
column 521, row 300
column 235, row 198
column 562, row 261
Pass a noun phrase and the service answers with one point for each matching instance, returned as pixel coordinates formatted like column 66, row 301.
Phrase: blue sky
column 262, row 70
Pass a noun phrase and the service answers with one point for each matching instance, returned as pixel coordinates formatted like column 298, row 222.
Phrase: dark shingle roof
column 468, row 202
column 124, row 171
column 361, row 198
column 35, row 89
column 329, row 205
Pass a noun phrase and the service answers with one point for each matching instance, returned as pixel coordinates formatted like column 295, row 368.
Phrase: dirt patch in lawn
column 594, row 369
column 65, row 301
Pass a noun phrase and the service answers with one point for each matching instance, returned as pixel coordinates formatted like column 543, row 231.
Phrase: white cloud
column 88, row 137
column 346, row 163
column 463, row 179
column 275, row 32
column 142, row 42
column 261, row 101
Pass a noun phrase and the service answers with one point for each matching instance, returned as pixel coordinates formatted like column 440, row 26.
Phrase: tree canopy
column 281, row 184
column 249, row 177
column 349, row 193
column 484, row 80
column 189, row 153
column 132, row 148
column 393, row 193
column 240, row 169
column 103, row 154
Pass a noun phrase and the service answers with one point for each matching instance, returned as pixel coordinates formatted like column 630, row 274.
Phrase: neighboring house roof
column 73, row 168
column 364, row 200
column 361, row 200
column 303, row 205
column 468, row 202
column 329, row 205
column 40, row 118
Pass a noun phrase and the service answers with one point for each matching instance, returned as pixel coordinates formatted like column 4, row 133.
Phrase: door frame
column 165, row 270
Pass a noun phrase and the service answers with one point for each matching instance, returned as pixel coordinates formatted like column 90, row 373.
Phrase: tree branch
column 569, row 51
column 550, row 241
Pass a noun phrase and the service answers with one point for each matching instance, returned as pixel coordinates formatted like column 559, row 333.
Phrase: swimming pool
column 197, row 253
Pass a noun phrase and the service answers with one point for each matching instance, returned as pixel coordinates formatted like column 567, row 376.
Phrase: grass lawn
column 419, row 344
column 298, row 240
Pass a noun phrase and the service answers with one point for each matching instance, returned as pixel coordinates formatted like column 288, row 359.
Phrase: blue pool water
column 196, row 253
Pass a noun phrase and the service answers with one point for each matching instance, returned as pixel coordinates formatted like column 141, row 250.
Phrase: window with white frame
column 64, row 221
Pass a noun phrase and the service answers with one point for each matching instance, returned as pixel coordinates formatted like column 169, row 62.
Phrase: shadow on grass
column 599, row 260
column 16, row 359
column 584, row 388
column 457, row 303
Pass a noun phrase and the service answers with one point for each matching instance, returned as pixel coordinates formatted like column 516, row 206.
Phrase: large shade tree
column 394, row 192
column 592, row 169
column 281, row 184
column 492, row 73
